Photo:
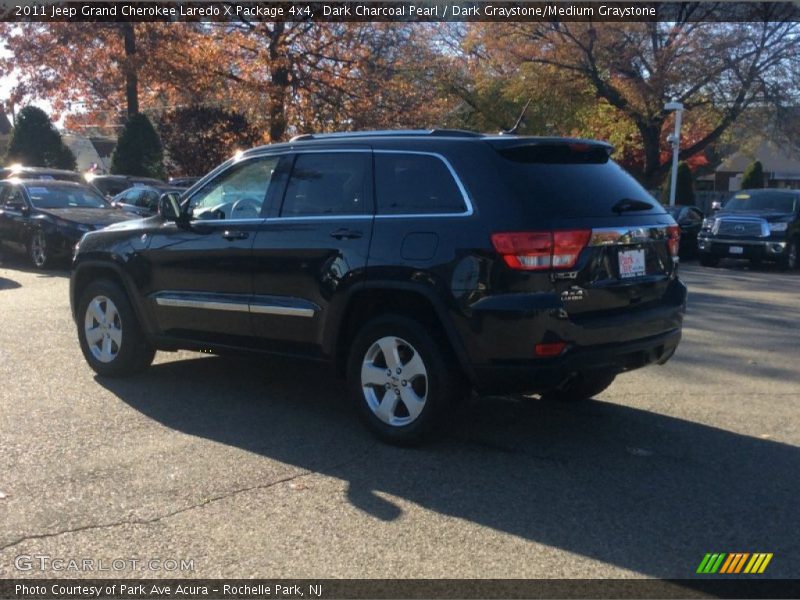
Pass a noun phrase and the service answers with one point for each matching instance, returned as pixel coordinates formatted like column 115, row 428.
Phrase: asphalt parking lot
column 258, row 467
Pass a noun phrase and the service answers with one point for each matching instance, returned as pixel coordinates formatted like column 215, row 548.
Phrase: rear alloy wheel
column 109, row 333
column 789, row 259
column 582, row 386
column 38, row 250
column 399, row 379
column 707, row 260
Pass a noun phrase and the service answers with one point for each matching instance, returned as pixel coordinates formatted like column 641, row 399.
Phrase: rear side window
column 323, row 184
column 415, row 184
column 571, row 180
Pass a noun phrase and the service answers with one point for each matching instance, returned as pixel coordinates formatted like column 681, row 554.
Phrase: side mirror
column 169, row 206
column 716, row 205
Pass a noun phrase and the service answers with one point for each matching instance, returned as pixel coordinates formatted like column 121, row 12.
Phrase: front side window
column 328, row 184
column 131, row 196
column 237, row 193
column 148, row 199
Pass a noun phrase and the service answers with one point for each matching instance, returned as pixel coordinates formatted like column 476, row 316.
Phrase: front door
column 202, row 272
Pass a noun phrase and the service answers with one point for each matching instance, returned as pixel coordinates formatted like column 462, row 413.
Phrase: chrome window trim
column 225, row 222
column 269, row 152
column 319, row 218
column 459, row 184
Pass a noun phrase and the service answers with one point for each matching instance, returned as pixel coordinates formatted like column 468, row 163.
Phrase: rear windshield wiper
column 628, row 204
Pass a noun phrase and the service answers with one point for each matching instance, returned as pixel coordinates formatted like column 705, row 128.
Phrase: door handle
column 346, row 234
column 232, row 235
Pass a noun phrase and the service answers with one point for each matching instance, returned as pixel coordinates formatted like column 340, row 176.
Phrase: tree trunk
column 279, row 83
column 651, row 141
column 131, row 69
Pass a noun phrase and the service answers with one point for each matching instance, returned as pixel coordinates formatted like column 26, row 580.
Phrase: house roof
column 773, row 158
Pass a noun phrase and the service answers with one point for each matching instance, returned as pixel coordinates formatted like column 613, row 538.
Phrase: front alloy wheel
column 111, row 338
column 37, row 249
column 103, row 329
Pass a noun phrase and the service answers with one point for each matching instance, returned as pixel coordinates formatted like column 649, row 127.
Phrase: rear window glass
column 415, row 184
column 763, row 200
column 559, row 180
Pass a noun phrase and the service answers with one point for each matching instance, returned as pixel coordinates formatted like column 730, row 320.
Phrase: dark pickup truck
column 756, row 225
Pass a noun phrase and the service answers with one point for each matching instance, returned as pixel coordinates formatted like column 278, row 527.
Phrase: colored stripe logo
column 734, row 563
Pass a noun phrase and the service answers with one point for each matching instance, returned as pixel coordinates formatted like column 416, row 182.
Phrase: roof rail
column 387, row 133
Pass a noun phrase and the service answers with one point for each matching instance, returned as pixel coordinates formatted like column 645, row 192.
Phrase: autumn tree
column 722, row 68
column 102, row 67
column 35, row 142
column 306, row 76
column 139, row 150
column 198, row 138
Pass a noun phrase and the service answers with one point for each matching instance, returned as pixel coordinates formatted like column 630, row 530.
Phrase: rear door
column 313, row 247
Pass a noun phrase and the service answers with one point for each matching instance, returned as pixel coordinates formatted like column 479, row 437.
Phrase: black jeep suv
column 754, row 224
column 421, row 263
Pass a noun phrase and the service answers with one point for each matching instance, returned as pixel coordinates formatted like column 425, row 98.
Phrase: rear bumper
column 764, row 249
column 543, row 374
column 627, row 340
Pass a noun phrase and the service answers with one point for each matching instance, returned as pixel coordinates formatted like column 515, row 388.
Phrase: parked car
column 690, row 220
column 48, row 217
column 21, row 172
column 113, row 185
column 183, row 182
column 142, row 200
column 758, row 225
column 421, row 264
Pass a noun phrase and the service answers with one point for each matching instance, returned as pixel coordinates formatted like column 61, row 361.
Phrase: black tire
column 133, row 352
column 581, row 387
column 788, row 261
column 442, row 385
column 708, row 260
column 38, row 247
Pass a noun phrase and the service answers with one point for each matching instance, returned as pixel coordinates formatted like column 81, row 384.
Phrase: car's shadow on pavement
column 19, row 262
column 8, row 284
column 636, row 489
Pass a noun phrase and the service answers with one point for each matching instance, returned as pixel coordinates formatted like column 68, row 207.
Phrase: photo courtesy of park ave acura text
column 399, row 299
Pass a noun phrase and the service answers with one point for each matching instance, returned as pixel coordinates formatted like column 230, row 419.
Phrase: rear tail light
column 673, row 239
column 540, row 250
